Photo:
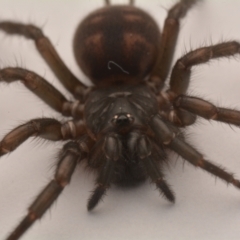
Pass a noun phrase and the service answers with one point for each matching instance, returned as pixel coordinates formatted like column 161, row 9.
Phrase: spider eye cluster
column 122, row 120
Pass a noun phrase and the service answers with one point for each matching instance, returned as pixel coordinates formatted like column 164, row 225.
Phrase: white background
column 204, row 208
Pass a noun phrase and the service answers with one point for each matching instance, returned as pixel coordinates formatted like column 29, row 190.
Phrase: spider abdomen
column 117, row 44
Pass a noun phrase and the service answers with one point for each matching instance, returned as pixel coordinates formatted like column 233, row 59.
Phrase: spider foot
column 165, row 190
column 98, row 193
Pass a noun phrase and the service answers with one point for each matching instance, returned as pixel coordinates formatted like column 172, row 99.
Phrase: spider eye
column 122, row 120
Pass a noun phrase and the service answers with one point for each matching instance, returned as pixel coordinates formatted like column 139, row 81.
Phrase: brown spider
column 132, row 132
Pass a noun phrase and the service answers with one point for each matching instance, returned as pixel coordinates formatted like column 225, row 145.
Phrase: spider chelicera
column 135, row 135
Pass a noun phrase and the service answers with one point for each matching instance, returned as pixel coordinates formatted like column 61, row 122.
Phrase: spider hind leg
column 195, row 158
column 69, row 158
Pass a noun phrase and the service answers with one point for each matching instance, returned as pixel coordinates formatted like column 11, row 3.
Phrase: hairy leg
column 181, row 73
column 144, row 149
column 44, row 90
column 195, row 158
column 112, row 151
column 48, row 52
column 72, row 153
column 171, row 140
column 46, row 128
column 207, row 110
column 168, row 41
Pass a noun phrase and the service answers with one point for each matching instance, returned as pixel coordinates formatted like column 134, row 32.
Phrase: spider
column 123, row 125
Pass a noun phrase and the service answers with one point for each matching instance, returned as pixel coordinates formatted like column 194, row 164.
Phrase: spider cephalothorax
column 123, row 125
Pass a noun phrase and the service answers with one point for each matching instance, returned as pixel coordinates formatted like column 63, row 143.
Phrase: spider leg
column 165, row 135
column 46, row 128
column 70, row 156
column 131, row 2
column 207, row 110
column 144, row 151
column 107, row 2
column 181, row 118
column 44, row 90
column 112, row 151
column 195, row 158
column 48, row 52
column 181, row 72
column 168, row 40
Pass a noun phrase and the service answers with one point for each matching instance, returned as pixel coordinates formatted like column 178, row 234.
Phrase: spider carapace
column 123, row 124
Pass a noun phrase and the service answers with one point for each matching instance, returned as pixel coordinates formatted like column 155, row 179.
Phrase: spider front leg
column 46, row 128
column 168, row 40
column 72, row 153
column 48, row 52
column 43, row 90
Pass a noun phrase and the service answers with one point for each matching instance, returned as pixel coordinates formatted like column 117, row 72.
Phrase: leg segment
column 144, row 150
column 207, row 110
column 181, row 117
column 112, row 151
column 165, row 135
column 131, row 2
column 196, row 159
column 107, row 2
column 103, row 183
column 36, row 84
column 182, row 70
column 46, row 128
column 70, row 156
column 40, row 87
column 169, row 39
column 49, row 54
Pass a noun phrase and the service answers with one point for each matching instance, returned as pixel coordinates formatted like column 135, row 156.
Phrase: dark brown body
column 101, row 107
column 117, row 44
column 117, row 48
